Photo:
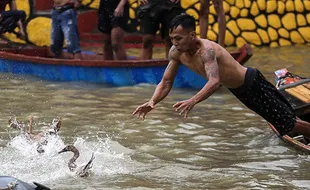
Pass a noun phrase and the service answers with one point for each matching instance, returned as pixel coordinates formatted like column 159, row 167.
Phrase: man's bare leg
column 117, row 38
column 147, row 49
column 218, row 4
column 204, row 18
column 107, row 47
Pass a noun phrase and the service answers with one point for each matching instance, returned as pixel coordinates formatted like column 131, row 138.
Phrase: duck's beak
column 63, row 150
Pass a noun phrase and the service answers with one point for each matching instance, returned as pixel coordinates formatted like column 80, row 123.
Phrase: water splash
column 19, row 158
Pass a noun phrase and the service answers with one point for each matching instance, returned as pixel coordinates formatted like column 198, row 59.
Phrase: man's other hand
column 143, row 109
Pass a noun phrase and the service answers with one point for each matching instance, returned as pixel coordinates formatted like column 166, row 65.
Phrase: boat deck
column 298, row 95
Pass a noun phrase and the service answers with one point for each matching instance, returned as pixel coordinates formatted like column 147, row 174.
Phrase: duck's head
column 71, row 148
column 68, row 148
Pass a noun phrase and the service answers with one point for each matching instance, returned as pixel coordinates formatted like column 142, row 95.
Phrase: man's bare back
column 231, row 73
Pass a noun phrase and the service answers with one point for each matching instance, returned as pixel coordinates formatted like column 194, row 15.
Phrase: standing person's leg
column 147, row 46
column 119, row 24
column 71, row 34
column 149, row 27
column 168, row 45
column 218, row 4
column 104, row 26
column 107, row 47
column 57, row 36
column 164, row 31
column 204, row 18
column 117, row 38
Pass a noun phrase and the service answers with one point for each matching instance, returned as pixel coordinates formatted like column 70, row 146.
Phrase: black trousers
column 9, row 19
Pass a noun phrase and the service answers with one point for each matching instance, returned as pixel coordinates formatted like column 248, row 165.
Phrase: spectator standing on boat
column 11, row 19
column 204, row 19
column 213, row 62
column 64, row 27
column 112, row 20
column 155, row 15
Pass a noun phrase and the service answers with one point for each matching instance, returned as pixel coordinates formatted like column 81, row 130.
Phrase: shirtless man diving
column 213, row 62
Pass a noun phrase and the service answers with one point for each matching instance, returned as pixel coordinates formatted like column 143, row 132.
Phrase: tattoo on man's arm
column 209, row 60
column 207, row 55
column 213, row 71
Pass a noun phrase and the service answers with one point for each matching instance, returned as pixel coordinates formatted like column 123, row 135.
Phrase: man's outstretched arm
column 162, row 89
column 166, row 83
column 212, row 71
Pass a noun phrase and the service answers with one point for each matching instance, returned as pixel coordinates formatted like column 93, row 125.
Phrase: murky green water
column 222, row 145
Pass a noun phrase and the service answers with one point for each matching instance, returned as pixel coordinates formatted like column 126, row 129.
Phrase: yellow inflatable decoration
column 258, row 22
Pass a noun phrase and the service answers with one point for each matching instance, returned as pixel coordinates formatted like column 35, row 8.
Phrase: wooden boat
column 296, row 90
column 37, row 61
column 298, row 141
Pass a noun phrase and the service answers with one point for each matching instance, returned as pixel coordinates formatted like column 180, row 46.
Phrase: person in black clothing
column 152, row 14
column 112, row 20
column 11, row 19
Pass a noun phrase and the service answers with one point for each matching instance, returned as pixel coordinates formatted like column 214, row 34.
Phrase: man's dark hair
column 185, row 20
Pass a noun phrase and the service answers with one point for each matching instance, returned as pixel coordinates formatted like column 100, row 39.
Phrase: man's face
column 181, row 38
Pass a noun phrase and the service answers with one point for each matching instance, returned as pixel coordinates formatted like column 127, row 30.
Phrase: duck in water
column 40, row 138
column 52, row 129
column 13, row 123
column 82, row 171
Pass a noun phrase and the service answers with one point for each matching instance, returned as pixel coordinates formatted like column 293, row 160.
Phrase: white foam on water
column 277, row 165
column 185, row 131
column 20, row 159
column 250, row 114
column 153, row 122
column 237, row 108
column 217, row 121
column 190, row 126
column 302, row 183
column 209, row 144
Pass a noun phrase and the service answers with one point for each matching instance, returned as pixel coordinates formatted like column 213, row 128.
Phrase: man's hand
column 143, row 2
column 118, row 12
column 144, row 109
column 184, row 106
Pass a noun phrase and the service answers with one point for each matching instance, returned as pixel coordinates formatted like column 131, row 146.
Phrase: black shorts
column 9, row 20
column 263, row 98
column 150, row 23
column 106, row 18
